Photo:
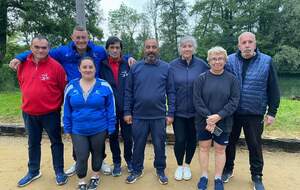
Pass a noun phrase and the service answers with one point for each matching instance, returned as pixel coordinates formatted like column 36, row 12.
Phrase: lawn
column 287, row 123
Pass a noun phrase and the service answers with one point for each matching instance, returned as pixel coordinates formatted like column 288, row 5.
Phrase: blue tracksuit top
column 148, row 88
column 184, row 77
column 69, row 58
column 93, row 115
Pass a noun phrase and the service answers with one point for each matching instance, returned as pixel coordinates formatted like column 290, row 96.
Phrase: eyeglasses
column 217, row 59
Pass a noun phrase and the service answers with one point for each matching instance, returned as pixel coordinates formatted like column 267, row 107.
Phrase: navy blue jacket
column 69, row 58
column 147, row 89
column 184, row 77
column 118, row 89
column 259, row 88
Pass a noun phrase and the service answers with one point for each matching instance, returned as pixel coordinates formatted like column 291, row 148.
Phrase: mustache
column 247, row 50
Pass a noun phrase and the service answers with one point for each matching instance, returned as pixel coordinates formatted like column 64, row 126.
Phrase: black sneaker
column 227, row 174
column 93, row 184
column 257, row 182
column 133, row 177
column 82, row 187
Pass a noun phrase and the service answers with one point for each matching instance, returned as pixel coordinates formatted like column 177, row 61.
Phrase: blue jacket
column 93, row 115
column 69, row 58
column 253, row 95
column 118, row 89
column 147, row 89
column 184, row 76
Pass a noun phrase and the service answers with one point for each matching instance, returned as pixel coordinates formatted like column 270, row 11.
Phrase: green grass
column 287, row 123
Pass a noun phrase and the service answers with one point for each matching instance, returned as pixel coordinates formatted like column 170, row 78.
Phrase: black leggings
column 185, row 139
column 83, row 146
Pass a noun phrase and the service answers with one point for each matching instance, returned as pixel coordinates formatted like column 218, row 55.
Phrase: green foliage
column 287, row 59
column 8, row 80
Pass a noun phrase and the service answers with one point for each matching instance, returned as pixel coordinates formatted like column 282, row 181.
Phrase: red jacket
column 42, row 85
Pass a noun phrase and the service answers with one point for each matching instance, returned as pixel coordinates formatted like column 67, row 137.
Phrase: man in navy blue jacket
column 148, row 84
column 115, row 71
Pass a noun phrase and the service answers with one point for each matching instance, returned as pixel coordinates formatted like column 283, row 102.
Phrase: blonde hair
column 216, row 50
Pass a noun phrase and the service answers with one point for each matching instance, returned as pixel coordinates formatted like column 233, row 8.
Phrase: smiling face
column 217, row 62
column 247, row 45
column 187, row 50
column 87, row 69
column 39, row 48
column 80, row 38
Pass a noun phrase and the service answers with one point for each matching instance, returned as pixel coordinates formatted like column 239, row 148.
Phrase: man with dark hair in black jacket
column 115, row 70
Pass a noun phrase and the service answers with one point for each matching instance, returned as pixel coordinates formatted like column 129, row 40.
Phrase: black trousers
column 83, row 146
column 253, row 128
column 185, row 139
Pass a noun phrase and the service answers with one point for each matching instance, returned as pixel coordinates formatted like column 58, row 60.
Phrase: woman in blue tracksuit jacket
column 89, row 113
column 185, row 70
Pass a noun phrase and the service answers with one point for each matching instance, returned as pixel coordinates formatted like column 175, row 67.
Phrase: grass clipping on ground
column 287, row 123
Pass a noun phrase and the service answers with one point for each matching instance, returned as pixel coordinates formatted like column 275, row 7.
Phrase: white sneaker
column 179, row 173
column 187, row 174
column 72, row 170
column 106, row 169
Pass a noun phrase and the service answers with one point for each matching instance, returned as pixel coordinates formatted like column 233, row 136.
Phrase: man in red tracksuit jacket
column 42, row 81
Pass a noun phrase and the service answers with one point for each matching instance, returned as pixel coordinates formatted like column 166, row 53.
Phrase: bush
column 8, row 79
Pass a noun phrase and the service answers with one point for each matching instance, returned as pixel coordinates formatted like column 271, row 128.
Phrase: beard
column 151, row 58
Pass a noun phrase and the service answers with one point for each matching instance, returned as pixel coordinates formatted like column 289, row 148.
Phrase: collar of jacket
column 43, row 61
column 239, row 55
column 183, row 61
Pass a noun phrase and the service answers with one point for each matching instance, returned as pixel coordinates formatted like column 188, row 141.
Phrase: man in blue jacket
column 115, row 71
column 259, row 101
column 148, row 84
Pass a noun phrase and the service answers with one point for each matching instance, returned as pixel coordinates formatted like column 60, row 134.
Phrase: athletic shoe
column 202, row 184
column 227, row 174
column 179, row 173
column 28, row 179
column 93, row 184
column 257, row 183
column 117, row 171
column 82, row 187
column 187, row 174
column 133, row 177
column 105, row 168
column 219, row 184
column 72, row 170
column 61, row 179
column 162, row 178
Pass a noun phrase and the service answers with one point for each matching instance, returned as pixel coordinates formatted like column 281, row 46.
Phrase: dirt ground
column 281, row 170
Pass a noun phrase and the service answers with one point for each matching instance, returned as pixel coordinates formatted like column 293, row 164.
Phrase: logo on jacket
column 44, row 76
column 124, row 74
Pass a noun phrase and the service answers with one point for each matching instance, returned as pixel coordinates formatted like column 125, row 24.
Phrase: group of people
column 103, row 91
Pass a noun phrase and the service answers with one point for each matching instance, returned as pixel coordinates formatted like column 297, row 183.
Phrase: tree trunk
column 3, row 28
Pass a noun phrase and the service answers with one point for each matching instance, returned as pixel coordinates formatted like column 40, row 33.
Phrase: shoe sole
column 178, row 179
column 187, row 179
column 131, row 182
column 226, row 181
column 163, row 183
column 36, row 177
column 70, row 174
column 116, row 175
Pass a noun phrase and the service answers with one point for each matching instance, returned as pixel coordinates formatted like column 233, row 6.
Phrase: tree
column 173, row 14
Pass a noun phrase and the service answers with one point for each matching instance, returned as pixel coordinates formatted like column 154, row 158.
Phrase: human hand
column 213, row 119
column 169, row 120
column 210, row 127
column 68, row 136
column 269, row 120
column 128, row 119
column 14, row 64
column 131, row 61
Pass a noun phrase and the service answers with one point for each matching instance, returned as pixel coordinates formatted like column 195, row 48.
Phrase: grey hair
column 41, row 37
column 216, row 50
column 246, row 33
column 186, row 39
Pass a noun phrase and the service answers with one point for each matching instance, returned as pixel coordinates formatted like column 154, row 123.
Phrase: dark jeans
column 126, row 132
column 140, row 131
column 83, row 146
column 253, row 128
column 185, row 139
column 34, row 126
